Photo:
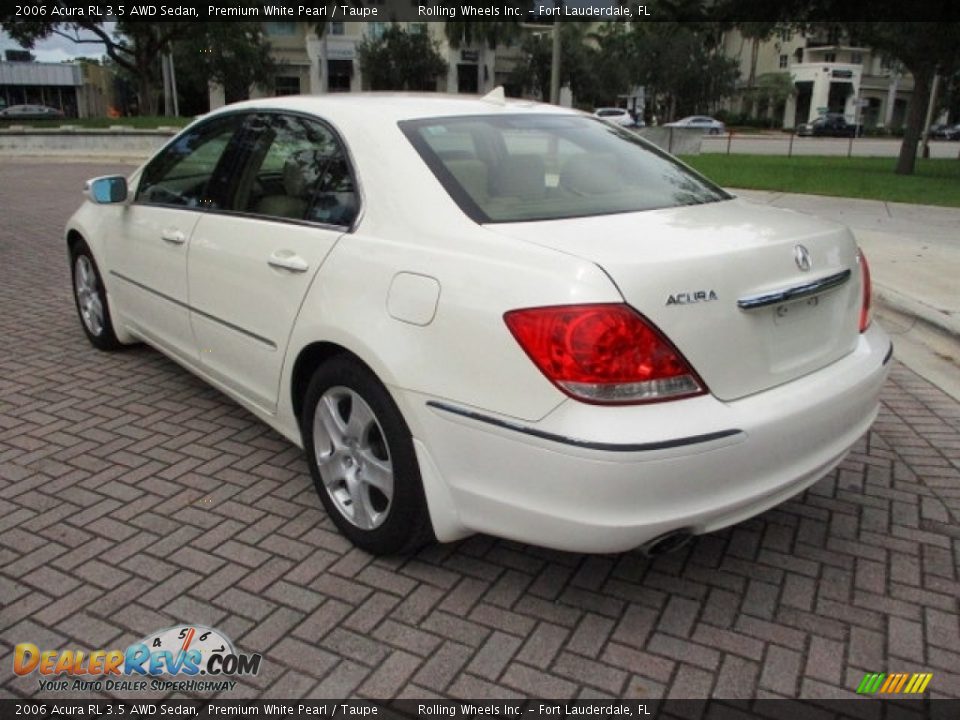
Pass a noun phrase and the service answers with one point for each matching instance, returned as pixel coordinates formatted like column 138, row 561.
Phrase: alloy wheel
column 353, row 458
column 88, row 294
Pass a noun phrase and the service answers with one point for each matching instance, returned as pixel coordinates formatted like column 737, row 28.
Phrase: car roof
column 386, row 107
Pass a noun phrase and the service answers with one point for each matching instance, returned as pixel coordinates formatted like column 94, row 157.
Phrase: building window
column 417, row 28
column 856, row 58
column 785, row 35
column 286, row 85
column 336, row 28
column 281, row 28
column 376, row 30
column 339, row 74
column 784, row 61
column 830, row 57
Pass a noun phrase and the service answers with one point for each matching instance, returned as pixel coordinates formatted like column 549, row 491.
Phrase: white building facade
column 312, row 65
column 828, row 75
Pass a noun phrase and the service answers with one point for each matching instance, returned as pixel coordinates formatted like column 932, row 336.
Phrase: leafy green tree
column 614, row 64
column 756, row 33
column 770, row 90
column 235, row 55
column 401, row 60
column 532, row 73
column 683, row 67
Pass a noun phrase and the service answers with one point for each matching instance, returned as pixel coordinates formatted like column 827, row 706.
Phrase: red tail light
column 866, row 306
column 603, row 353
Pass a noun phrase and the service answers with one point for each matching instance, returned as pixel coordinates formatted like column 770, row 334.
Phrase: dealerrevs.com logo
column 186, row 658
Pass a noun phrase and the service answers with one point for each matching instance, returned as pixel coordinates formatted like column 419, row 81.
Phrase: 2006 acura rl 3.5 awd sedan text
column 479, row 315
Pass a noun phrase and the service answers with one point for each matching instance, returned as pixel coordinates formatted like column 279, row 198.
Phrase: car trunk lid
column 687, row 268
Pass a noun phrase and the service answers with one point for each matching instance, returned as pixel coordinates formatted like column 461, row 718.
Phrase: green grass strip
column 936, row 182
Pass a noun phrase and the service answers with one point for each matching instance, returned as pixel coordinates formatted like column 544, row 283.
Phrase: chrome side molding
column 795, row 292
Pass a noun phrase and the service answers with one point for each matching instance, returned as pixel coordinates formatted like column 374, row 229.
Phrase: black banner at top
column 528, row 11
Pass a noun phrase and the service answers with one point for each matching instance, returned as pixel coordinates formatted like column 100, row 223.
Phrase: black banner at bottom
column 853, row 709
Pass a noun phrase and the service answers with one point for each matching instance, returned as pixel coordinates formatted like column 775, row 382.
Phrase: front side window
column 545, row 167
column 296, row 169
column 181, row 175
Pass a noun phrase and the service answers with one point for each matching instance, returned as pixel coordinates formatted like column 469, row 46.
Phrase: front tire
column 362, row 459
column 90, row 297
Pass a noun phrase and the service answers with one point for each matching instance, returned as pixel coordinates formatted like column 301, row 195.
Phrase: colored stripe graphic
column 894, row 683
column 870, row 683
column 923, row 685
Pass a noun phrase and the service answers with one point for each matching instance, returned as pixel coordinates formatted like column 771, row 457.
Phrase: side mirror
column 107, row 189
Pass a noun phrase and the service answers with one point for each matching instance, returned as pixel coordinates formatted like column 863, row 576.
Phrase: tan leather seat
column 300, row 172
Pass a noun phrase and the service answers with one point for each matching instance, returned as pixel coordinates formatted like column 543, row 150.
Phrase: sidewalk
column 914, row 254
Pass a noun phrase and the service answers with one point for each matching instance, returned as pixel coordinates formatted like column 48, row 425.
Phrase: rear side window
column 545, row 167
column 295, row 169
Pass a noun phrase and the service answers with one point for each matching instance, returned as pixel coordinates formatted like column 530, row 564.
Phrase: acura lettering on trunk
column 455, row 306
column 689, row 298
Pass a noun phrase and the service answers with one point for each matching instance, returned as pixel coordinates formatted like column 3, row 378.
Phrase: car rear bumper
column 608, row 479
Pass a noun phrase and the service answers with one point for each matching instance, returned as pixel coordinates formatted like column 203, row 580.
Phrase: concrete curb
column 905, row 305
column 72, row 157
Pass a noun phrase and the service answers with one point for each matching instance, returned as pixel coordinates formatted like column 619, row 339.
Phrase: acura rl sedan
column 481, row 315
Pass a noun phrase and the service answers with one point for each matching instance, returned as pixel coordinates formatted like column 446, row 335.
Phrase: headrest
column 521, row 176
column 301, row 172
column 472, row 175
column 589, row 174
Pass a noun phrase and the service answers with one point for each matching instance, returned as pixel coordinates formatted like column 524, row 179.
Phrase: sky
column 55, row 48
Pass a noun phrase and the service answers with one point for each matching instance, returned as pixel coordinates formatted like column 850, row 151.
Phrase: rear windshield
column 510, row 168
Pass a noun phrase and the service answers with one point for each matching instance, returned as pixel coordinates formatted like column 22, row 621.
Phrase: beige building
column 314, row 65
column 828, row 75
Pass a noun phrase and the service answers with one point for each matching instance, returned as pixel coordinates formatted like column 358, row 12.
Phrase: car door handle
column 173, row 236
column 286, row 260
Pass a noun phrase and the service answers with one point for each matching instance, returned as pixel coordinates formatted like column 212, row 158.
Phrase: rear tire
column 90, row 298
column 361, row 456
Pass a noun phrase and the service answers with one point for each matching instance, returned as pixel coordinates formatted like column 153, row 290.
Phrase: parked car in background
column 829, row 125
column 707, row 124
column 945, row 132
column 481, row 315
column 617, row 116
column 30, row 112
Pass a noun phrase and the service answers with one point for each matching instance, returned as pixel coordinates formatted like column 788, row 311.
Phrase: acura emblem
column 802, row 257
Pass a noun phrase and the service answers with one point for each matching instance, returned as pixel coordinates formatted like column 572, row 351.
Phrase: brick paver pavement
column 134, row 497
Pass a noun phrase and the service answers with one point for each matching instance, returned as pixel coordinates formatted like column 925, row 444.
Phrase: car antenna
column 495, row 96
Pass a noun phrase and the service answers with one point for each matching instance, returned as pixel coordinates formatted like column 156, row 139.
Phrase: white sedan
column 617, row 116
column 477, row 315
column 700, row 122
